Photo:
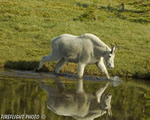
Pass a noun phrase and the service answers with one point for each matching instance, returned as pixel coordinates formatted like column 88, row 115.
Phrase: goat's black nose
column 112, row 67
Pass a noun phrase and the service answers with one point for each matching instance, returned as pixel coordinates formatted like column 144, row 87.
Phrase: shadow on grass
column 137, row 15
column 24, row 65
column 131, row 15
column 71, row 69
column 145, row 76
column 82, row 5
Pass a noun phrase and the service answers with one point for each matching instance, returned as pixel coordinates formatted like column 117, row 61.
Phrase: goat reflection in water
column 78, row 104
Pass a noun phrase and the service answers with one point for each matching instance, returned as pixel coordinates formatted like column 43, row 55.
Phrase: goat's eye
column 109, row 56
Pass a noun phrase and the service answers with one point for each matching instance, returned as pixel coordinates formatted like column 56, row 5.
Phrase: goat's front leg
column 81, row 67
column 102, row 67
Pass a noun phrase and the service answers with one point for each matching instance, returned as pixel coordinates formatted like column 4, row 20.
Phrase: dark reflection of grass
column 130, row 100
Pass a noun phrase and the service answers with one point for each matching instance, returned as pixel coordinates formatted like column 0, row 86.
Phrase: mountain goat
column 84, row 49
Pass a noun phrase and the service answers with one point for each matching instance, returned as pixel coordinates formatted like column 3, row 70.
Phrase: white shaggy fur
column 84, row 49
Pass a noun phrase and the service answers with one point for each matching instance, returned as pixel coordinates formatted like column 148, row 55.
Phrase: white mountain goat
column 84, row 49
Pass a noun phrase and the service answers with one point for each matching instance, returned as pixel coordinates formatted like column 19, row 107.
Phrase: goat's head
column 110, row 55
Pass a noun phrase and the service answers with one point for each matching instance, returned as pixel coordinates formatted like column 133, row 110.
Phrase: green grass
column 27, row 27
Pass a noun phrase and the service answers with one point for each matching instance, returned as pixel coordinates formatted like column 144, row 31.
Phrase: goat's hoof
column 36, row 69
column 109, row 79
column 80, row 77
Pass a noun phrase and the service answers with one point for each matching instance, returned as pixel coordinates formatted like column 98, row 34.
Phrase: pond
column 46, row 96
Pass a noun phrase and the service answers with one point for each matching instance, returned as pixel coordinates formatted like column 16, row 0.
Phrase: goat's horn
column 111, row 45
column 116, row 45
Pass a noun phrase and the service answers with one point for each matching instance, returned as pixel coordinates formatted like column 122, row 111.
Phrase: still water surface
column 51, row 97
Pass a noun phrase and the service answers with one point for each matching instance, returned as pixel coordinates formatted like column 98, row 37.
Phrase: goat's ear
column 113, row 50
column 116, row 47
column 109, row 111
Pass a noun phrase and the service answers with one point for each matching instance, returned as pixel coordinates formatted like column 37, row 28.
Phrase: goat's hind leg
column 60, row 64
column 46, row 59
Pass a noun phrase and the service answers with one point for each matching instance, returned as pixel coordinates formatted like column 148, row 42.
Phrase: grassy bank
column 27, row 27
